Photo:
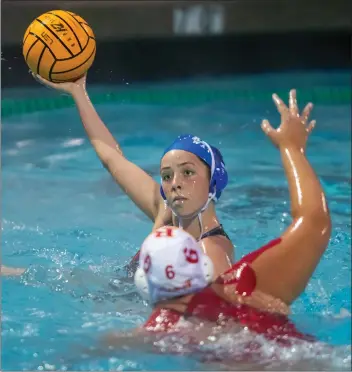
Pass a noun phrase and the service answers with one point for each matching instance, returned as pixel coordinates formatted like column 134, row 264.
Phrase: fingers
column 311, row 126
column 307, row 111
column 280, row 105
column 269, row 131
column 38, row 78
column 293, row 103
column 266, row 127
column 82, row 79
column 66, row 87
column 43, row 81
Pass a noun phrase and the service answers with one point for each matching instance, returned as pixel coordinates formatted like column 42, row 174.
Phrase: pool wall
column 154, row 41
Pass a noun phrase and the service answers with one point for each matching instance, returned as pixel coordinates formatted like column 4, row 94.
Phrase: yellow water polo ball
column 59, row 46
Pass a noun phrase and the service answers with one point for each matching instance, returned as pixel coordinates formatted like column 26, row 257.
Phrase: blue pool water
column 63, row 214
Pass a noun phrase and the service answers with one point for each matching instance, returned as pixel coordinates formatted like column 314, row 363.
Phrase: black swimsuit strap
column 218, row 230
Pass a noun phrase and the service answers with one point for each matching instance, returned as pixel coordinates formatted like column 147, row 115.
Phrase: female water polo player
column 193, row 176
column 177, row 279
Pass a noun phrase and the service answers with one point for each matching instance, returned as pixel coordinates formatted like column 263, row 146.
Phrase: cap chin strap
column 211, row 196
column 199, row 214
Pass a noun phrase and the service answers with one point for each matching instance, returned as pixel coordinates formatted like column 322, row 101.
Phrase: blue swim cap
column 210, row 155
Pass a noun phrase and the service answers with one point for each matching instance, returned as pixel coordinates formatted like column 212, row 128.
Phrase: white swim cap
column 171, row 264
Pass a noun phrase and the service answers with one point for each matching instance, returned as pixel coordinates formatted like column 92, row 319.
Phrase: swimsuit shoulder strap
column 218, row 230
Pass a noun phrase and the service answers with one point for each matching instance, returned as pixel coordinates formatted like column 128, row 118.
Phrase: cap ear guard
column 220, row 177
column 208, row 269
column 140, row 280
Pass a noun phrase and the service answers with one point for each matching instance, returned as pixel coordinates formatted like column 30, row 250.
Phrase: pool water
column 65, row 220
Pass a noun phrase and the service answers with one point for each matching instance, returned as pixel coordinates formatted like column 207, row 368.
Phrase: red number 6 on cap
column 169, row 272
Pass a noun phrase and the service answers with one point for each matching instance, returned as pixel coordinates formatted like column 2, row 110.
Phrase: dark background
column 136, row 41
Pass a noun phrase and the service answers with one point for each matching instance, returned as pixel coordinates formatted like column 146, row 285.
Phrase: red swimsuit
column 207, row 305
